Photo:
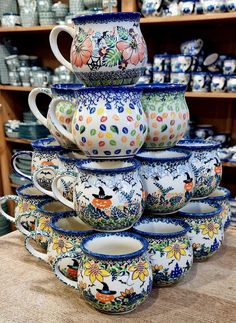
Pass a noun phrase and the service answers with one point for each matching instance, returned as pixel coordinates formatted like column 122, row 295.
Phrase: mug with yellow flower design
column 114, row 273
column 27, row 200
column 221, row 196
column 107, row 49
column 67, row 231
column 206, row 233
column 170, row 251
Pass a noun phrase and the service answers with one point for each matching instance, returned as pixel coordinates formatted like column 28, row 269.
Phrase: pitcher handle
column 56, row 191
column 19, row 225
column 59, row 274
column 33, row 106
column 13, row 162
column 55, row 121
column 49, row 169
column 4, row 199
column 38, row 254
column 54, row 45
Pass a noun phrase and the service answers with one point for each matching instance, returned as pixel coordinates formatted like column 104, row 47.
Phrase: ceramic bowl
column 206, row 233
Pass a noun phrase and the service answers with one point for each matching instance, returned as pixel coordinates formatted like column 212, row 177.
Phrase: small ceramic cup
column 67, row 231
column 107, row 195
column 192, row 47
column 168, row 179
column 206, row 234
column 161, row 62
column 231, row 5
column 218, row 83
column 181, row 63
column 201, row 82
column 169, row 248
column 187, row 7
column 114, row 273
column 212, row 6
column 231, row 83
column 213, row 63
column 160, row 77
column 221, row 196
column 45, row 154
column 12, row 62
column 151, row 8
column 27, row 200
column 165, row 126
column 68, row 161
column 205, row 163
column 180, row 78
column 229, row 65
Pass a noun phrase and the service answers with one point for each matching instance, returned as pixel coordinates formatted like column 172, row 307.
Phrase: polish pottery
column 169, row 248
column 206, row 234
column 64, row 110
column 108, row 195
column 27, row 200
column 205, row 163
column 107, row 49
column 109, row 122
column 181, row 63
column 114, row 274
column 168, row 179
column 167, row 114
column 231, row 83
column 221, row 196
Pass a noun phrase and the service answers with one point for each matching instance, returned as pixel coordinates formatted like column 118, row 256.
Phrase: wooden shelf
column 217, row 17
column 228, row 164
column 15, row 88
column 213, row 95
column 19, row 140
column 26, row 29
column 14, row 185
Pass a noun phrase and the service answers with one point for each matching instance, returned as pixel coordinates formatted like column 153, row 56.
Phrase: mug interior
column 198, row 208
column 217, row 193
column 159, row 227
column 55, row 206
column 74, row 155
column 161, row 154
column 114, row 245
column 32, row 191
column 72, row 223
column 113, row 164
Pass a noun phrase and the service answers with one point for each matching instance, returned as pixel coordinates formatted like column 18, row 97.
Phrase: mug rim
column 109, row 88
column 39, row 144
column 203, row 144
column 162, row 87
column 26, row 195
column 185, row 227
column 186, row 156
column 134, row 254
column 225, row 191
column 185, row 55
column 56, row 218
column 71, row 159
column 197, row 215
column 106, row 17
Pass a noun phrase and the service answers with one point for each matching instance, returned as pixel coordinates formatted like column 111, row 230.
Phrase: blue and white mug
column 201, row 82
column 218, row 83
column 181, row 63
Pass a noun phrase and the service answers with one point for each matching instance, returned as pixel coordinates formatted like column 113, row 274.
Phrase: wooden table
column 29, row 292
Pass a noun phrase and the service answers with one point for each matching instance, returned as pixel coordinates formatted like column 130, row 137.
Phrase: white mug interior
column 198, row 208
column 55, row 206
column 159, row 227
column 161, row 154
column 72, row 223
column 32, row 191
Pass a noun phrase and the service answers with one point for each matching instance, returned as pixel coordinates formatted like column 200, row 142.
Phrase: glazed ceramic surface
column 68, row 161
column 192, row 47
column 45, row 154
column 167, row 114
column 114, row 274
column 27, row 200
column 108, row 195
column 67, row 231
column 64, row 110
column 205, row 163
column 168, row 179
column 109, row 122
column 107, row 49
column 181, row 63
column 218, row 83
column 221, row 196
column 231, row 83
column 201, row 82
column 151, row 8
column 206, row 233
column 169, row 248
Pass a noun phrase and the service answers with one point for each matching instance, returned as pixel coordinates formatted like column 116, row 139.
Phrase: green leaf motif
column 163, row 127
column 123, row 33
column 112, row 57
column 114, row 129
column 82, row 129
column 110, row 40
column 81, row 35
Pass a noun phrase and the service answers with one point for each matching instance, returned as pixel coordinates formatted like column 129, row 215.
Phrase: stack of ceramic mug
column 99, row 179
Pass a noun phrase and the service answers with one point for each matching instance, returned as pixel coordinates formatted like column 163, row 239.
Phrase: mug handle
column 13, row 162
column 36, row 183
column 54, row 45
column 30, row 248
column 55, row 121
column 59, row 274
column 19, row 226
column 33, row 106
column 56, row 191
column 5, row 199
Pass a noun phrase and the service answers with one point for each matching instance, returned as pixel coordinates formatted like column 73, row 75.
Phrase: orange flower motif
column 133, row 52
column 157, row 268
column 82, row 52
column 127, row 292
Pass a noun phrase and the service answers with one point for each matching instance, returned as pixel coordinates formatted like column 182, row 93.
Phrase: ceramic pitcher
column 109, row 121
column 167, row 114
column 107, row 49
column 205, row 163
column 108, row 195
column 114, row 273
column 64, row 111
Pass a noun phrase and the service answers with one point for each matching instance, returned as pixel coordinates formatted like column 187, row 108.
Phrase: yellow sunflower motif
column 44, row 225
column 25, row 207
column 140, row 270
column 209, row 228
column 61, row 246
column 94, row 272
column 157, row 268
column 127, row 292
column 176, row 250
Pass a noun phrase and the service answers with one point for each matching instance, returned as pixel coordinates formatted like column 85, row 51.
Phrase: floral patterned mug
column 170, row 251
column 168, row 179
column 27, row 200
column 114, row 274
column 107, row 49
column 64, row 111
column 206, row 233
column 108, row 195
